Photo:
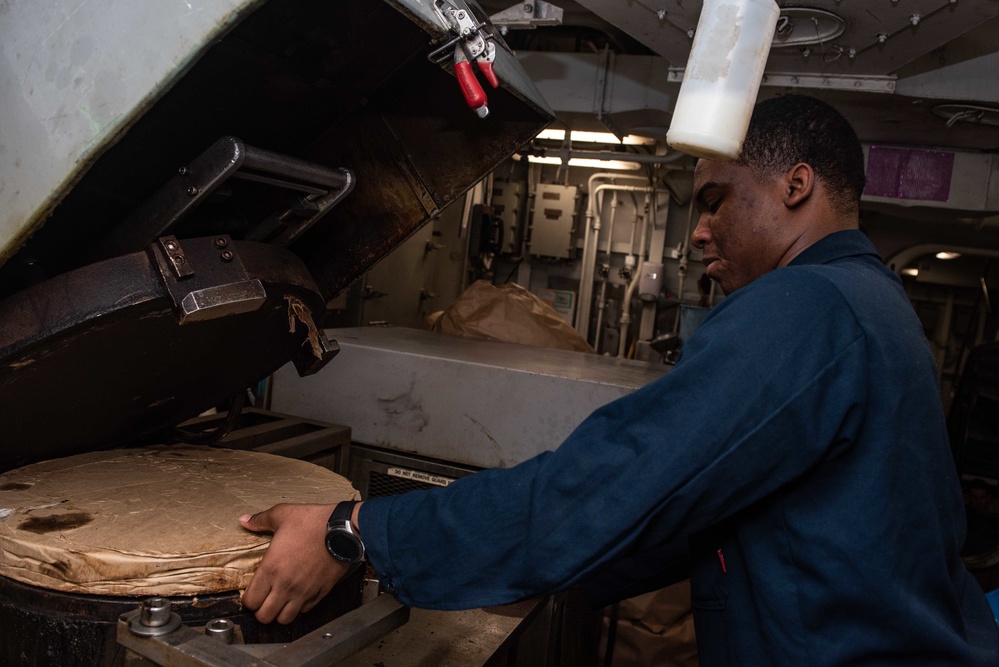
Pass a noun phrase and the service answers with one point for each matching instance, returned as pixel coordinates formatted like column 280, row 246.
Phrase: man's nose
column 701, row 235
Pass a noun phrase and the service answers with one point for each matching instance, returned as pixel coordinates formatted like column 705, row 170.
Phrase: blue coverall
column 798, row 451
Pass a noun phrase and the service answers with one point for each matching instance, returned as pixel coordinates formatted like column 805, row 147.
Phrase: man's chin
column 720, row 282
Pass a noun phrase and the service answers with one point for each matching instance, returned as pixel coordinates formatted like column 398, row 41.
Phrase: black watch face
column 344, row 546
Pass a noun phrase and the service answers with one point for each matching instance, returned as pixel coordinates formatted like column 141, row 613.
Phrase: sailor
column 796, row 455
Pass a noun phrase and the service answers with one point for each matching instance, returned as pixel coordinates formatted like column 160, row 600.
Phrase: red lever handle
column 470, row 88
column 487, row 70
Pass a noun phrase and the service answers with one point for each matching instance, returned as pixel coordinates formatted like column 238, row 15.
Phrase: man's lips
column 708, row 261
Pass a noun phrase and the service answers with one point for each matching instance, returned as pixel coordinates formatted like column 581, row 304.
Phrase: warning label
column 419, row 476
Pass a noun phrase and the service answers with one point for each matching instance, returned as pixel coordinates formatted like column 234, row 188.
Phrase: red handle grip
column 487, row 70
column 470, row 88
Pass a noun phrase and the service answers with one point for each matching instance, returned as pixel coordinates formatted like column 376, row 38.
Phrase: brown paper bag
column 507, row 313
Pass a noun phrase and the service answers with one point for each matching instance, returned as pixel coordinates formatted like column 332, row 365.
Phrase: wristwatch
column 341, row 540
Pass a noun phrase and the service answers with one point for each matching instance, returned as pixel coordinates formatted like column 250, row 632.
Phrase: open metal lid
column 312, row 137
column 346, row 85
column 133, row 345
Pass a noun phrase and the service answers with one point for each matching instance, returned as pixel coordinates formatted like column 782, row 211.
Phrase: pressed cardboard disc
column 160, row 520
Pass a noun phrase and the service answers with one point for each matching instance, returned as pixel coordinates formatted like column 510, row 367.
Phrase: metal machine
column 184, row 187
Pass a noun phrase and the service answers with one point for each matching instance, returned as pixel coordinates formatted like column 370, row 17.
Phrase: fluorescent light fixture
column 585, row 163
column 948, row 255
column 910, row 272
column 596, row 138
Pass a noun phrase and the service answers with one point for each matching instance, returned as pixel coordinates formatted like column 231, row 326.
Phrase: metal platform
column 472, row 402
column 324, row 444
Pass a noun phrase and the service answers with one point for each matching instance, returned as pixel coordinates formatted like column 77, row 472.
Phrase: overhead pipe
column 606, row 156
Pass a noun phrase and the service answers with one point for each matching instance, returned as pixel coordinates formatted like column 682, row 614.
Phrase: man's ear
column 799, row 182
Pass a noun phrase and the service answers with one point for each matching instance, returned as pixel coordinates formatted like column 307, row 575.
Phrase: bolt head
column 155, row 612
column 221, row 243
column 226, row 255
column 193, row 190
column 179, row 259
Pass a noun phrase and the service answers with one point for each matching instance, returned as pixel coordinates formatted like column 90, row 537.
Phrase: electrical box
column 508, row 206
column 562, row 302
column 553, row 225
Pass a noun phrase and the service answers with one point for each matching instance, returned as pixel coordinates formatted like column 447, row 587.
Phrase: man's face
column 739, row 223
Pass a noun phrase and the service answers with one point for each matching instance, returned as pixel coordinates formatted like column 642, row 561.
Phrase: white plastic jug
column 723, row 77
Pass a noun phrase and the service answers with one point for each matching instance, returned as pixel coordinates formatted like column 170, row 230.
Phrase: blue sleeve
column 772, row 384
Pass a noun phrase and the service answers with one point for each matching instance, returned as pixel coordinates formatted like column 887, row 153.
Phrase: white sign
column 419, row 476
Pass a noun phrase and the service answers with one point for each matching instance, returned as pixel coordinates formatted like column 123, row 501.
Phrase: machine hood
column 185, row 185
column 105, row 101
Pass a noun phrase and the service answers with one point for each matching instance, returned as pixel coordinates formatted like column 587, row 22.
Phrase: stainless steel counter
column 475, row 402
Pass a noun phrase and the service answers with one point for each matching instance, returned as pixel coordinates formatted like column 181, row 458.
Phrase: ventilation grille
column 381, row 485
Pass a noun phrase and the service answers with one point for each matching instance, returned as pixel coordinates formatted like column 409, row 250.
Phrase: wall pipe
column 622, row 345
column 589, row 249
column 602, row 299
column 656, row 249
column 610, row 226
column 634, row 226
column 647, row 220
column 682, row 268
column 589, row 252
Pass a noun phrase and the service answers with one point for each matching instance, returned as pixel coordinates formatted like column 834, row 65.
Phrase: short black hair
column 790, row 129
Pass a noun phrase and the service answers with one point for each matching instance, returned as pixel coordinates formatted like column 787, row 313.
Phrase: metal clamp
column 470, row 44
column 326, row 645
column 205, row 278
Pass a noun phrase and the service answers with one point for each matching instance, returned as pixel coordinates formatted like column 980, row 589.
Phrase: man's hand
column 297, row 571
